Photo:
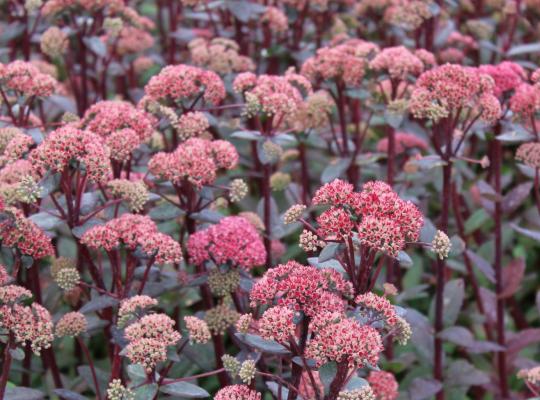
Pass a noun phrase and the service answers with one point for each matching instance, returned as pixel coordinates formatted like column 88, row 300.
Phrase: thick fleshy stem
column 501, row 355
column 338, row 381
column 92, row 369
column 6, row 365
column 441, row 264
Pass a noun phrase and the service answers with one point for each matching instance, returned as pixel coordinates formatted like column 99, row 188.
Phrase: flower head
column 277, row 324
column 198, row 330
column 452, row 88
column 71, row 324
column 196, row 161
column 54, row 42
column 441, row 245
column 26, row 79
column 237, row 392
column 183, row 83
column 234, row 240
column 384, row 385
column 398, row 62
column 347, row 61
column 67, row 145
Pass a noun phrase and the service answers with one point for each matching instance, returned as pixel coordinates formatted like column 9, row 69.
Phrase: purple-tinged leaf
column 520, row 340
column 515, row 198
column 482, row 265
column 489, row 301
column 457, row 335
column 424, row 388
column 454, row 293
column 535, row 235
column 512, row 275
column 481, row 346
column 461, row 373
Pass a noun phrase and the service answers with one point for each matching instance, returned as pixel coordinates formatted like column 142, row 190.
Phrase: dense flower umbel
column 149, row 338
column 117, row 391
column 526, row 101
column 107, row 117
column 26, row 79
column 304, row 288
column 507, row 76
column 452, row 88
column 237, row 392
column 341, row 339
column 529, row 154
column 363, row 393
column 277, row 324
column 66, row 145
column 72, row 324
column 347, row 61
column 30, row 324
column 183, row 83
column 399, row 62
column 384, row 385
column 198, row 330
column 134, row 307
column 133, row 231
column 22, row 234
column 219, row 55
column 196, row 161
column 382, row 219
column 279, row 97
column 135, row 194
column 234, row 241
column 378, row 305
column 13, row 144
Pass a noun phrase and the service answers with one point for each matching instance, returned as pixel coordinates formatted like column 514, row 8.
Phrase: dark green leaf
column 184, row 389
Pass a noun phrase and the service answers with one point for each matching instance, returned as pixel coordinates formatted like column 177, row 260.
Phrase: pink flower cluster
column 21, row 233
column 277, row 324
column 453, row 88
column 379, row 305
column 106, row 117
column 384, row 385
column 401, row 63
column 28, row 323
column 233, row 241
column 196, row 161
column 185, row 82
column 134, row 231
column 526, row 101
column 56, row 6
column 342, row 339
column 220, row 55
column 26, row 79
column 149, row 338
column 506, row 75
column 383, row 220
column 237, row 392
column 122, row 126
column 68, row 144
column 276, row 96
column 302, row 288
column 347, row 62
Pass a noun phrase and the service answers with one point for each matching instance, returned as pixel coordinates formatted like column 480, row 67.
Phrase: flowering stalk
column 501, row 355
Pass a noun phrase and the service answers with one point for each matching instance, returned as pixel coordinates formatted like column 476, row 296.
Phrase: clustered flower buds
column 441, row 245
column 198, row 330
column 117, row 391
column 238, row 190
column 293, row 213
column 71, row 324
